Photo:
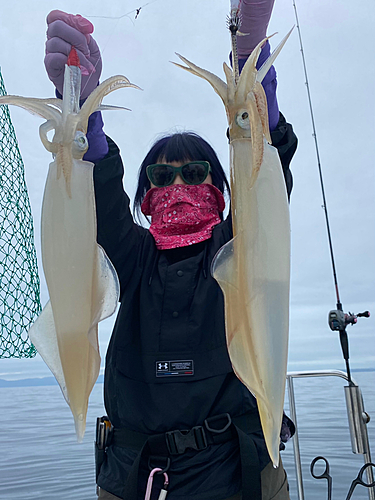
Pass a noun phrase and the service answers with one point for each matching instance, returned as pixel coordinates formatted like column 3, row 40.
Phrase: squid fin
column 43, row 335
column 271, row 425
column 106, row 286
column 224, row 269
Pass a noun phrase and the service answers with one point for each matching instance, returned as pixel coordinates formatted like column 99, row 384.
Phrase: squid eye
column 242, row 119
column 80, row 143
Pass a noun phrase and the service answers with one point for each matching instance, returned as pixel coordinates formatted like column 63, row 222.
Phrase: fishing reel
column 338, row 320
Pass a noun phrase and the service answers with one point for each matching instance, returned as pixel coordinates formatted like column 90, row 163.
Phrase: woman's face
column 178, row 179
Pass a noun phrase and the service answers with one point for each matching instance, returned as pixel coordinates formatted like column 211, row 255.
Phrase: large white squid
column 253, row 269
column 82, row 283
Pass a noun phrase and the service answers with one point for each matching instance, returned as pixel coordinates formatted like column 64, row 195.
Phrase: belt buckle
column 178, row 441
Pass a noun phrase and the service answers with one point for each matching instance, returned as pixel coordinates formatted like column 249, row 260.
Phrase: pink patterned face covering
column 181, row 214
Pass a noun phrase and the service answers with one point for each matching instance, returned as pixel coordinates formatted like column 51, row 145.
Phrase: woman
column 171, row 396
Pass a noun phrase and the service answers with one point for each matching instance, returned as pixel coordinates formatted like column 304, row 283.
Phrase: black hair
column 181, row 146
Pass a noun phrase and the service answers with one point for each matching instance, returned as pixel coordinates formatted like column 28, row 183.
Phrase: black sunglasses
column 193, row 173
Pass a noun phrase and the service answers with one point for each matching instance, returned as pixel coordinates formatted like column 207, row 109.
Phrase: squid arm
column 82, row 282
column 253, row 268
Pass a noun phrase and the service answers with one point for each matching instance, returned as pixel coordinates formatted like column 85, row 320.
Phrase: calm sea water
column 41, row 460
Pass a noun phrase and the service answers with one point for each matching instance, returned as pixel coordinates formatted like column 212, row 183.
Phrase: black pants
column 274, row 486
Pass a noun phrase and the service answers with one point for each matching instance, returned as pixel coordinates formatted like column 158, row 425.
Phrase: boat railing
column 357, row 419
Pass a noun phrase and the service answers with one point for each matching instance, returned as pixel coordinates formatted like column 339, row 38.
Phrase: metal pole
column 296, row 450
column 355, row 412
column 358, row 420
column 369, row 472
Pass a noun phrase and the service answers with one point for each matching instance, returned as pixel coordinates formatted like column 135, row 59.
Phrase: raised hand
column 64, row 31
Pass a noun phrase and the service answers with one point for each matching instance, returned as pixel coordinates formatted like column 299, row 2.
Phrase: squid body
column 253, row 269
column 82, row 283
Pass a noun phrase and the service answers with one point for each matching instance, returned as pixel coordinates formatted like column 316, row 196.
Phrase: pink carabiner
column 151, row 479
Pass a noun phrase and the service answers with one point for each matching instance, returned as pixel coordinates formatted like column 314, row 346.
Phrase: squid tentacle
column 217, row 83
column 95, row 98
column 261, row 102
column 263, row 70
column 40, row 107
column 257, row 144
column 46, row 127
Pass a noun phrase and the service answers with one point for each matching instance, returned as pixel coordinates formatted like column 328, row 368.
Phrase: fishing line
column 118, row 18
column 137, row 12
column 337, row 319
column 324, row 206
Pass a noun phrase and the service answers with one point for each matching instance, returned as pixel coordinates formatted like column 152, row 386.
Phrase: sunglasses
column 193, row 173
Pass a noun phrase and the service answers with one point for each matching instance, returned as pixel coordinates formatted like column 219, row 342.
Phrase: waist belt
column 215, row 430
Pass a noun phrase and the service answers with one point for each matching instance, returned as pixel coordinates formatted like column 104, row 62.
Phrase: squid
column 82, row 283
column 253, row 269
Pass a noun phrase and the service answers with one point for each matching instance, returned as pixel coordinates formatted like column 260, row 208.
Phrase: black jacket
column 171, row 310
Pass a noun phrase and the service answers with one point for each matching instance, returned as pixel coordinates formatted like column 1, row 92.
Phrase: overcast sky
column 338, row 39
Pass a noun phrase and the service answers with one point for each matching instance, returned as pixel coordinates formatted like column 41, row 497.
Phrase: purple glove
column 255, row 15
column 269, row 84
column 65, row 30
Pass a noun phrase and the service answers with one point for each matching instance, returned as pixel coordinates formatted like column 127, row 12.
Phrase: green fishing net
column 19, row 280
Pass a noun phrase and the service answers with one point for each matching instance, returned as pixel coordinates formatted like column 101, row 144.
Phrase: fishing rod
column 337, row 319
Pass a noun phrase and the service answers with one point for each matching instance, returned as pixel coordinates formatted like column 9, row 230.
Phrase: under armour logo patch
column 174, row 368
